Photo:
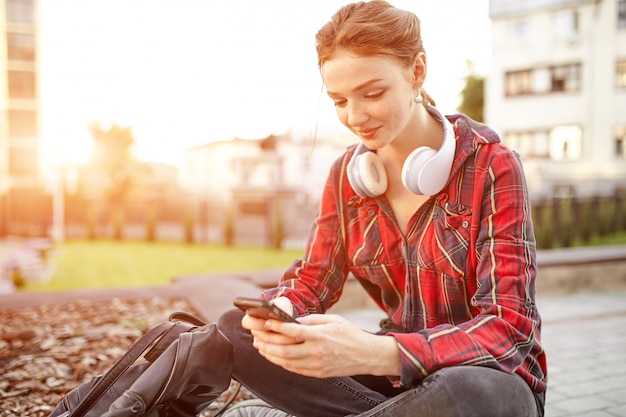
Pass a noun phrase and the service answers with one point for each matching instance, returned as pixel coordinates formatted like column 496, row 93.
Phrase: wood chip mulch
column 46, row 351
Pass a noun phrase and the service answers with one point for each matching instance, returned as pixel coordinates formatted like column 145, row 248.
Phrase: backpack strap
column 161, row 335
column 187, row 318
column 183, row 322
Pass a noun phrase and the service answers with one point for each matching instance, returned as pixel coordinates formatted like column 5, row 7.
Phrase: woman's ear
column 419, row 69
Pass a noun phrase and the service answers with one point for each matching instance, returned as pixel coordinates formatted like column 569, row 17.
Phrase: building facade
column 21, row 208
column 260, row 185
column 556, row 92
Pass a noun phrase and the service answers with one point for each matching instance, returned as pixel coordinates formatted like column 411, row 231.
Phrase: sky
column 182, row 73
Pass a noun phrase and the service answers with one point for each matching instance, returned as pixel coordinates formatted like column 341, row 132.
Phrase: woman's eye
column 339, row 103
column 374, row 96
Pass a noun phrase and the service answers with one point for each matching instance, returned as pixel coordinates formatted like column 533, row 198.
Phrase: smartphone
column 262, row 309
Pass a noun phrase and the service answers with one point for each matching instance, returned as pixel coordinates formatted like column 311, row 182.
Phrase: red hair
column 372, row 28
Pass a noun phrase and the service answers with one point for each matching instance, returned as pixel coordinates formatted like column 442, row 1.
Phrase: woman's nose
column 356, row 114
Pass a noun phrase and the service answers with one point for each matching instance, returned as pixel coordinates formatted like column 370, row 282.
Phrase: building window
column 620, row 141
column 529, row 144
column 565, row 24
column 22, row 161
column 620, row 74
column 542, row 81
column 554, row 79
column 519, row 30
column 565, row 143
column 20, row 11
column 565, row 78
column 518, row 83
column 20, row 47
column 22, row 123
column 21, row 84
column 621, row 14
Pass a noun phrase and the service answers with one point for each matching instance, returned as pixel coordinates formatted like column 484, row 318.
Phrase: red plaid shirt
column 462, row 280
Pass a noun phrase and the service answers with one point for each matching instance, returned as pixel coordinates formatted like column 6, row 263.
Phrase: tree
column 112, row 156
column 112, row 159
column 472, row 95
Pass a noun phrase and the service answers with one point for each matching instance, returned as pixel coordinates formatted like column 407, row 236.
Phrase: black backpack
column 187, row 365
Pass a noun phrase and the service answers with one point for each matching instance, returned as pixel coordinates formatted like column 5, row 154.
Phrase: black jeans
column 468, row 391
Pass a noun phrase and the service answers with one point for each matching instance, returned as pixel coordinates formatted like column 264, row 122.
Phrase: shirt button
column 465, row 224
column 371, row 212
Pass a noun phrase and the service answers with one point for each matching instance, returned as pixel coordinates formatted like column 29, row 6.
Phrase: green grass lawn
column 108, row 264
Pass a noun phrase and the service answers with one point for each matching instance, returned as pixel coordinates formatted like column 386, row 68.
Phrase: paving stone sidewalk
column 585, row 340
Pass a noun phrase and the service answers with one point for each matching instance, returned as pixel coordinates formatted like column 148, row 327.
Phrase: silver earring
column 419, row 99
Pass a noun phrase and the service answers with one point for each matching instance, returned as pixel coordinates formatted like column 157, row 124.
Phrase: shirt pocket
column 448, row 234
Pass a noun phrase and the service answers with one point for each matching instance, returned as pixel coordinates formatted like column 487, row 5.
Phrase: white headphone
column 424, row 172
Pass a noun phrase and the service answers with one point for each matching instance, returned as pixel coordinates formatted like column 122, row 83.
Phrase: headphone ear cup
column 366, row 174
column 425, row 171
column 413, row 168
column 372, row 173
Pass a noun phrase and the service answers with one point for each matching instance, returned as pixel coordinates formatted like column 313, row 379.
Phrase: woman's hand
column 258, row 326
column 324, row 346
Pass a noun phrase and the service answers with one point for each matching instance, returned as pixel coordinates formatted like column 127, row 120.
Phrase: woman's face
column 373, row 96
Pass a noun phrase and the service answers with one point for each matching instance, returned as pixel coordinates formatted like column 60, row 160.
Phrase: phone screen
column 262, row 309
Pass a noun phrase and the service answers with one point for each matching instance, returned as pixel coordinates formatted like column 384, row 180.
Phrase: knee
column 481, row 391
column 229, row 324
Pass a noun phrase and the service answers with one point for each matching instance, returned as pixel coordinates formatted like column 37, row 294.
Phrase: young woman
column 431, row 215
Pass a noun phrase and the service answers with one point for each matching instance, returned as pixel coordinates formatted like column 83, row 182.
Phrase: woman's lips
column 367, row 133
